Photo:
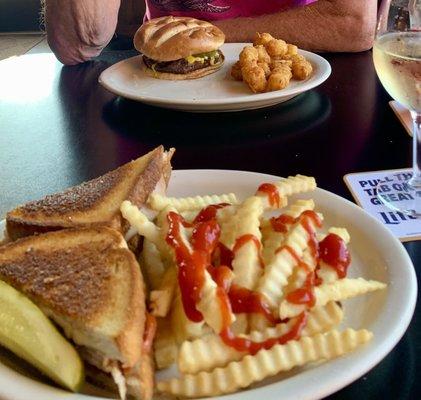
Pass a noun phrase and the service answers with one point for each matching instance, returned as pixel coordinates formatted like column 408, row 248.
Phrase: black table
column 58, row 127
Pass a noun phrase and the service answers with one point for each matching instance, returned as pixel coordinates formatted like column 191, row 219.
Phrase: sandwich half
column 89, row 283
column 178, row 48
column 96, row 202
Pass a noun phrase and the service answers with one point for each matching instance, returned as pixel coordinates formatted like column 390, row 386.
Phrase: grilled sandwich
column 96, row 202
column 90, row 285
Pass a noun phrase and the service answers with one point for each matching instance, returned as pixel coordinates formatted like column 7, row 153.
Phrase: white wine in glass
column 397, row 59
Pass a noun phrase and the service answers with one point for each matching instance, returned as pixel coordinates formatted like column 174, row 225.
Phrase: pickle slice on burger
column 178, row 48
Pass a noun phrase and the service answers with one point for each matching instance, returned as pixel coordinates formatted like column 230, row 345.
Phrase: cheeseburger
column 179, row 47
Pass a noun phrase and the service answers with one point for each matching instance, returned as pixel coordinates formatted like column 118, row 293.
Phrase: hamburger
column 178, row 48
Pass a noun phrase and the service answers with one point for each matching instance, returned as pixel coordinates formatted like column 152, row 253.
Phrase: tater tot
column 279, row 79
column 276, row 47
column 263, row 55
column 277, row 62
column 248, row 55
column 292, row 49
column 236, row 71
column 262, row 38
column 301, row 68
column 265, row 67
column 255, row 77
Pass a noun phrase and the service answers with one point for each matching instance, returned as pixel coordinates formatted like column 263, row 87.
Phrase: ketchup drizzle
column 272, row 193
column 246, row 345
column 248, row 301
column 242, row 240
column 193, row 262
column 280, row 224
column 333, row 251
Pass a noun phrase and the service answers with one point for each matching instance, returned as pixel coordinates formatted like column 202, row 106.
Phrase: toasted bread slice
column 89, row 283
column 138, row 380
column 96, row 202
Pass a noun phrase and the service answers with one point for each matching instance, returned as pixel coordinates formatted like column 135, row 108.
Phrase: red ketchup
column 249, row 346
column 333, row 251
column 281, row 223
column 242, row 240
column 192, row 264
column 304, row 294
column 272, row 193
column 209, row 212
column 248, row 301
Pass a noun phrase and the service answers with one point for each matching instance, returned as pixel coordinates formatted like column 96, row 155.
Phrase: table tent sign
column 363, row 186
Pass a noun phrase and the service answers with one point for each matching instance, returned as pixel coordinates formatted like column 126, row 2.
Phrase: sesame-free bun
column 171, row 38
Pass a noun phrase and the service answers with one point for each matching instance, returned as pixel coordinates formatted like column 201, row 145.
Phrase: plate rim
column 318, row 388
column 243, row 100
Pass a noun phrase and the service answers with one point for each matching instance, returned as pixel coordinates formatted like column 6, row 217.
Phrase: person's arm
column 78, row 30
column 327, row 25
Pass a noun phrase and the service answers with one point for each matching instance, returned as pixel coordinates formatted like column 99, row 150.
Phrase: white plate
column 376, row 254
column 213, row 93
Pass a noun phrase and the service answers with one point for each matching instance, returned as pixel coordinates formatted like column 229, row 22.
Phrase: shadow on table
column 168, row 127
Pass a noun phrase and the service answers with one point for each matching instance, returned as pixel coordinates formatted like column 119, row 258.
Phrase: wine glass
column 397, row 59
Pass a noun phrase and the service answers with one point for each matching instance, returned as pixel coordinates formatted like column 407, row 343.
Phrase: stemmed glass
column 397, row 59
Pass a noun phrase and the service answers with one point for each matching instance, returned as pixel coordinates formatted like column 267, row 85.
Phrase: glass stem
column 415, row 181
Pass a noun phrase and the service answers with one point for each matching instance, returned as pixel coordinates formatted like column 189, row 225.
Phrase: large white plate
column 376, row 254
column 213, row 93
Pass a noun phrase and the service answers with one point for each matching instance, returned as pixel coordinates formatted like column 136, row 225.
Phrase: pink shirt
column 218, row 9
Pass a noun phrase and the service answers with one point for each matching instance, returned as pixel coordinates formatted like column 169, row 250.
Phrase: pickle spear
column 27, row 332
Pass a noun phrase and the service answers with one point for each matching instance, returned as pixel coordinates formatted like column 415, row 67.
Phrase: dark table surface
column 59, row 127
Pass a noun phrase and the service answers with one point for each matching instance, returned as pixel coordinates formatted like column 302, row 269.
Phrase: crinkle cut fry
column 204, row 354
column 289, row 186
column 246, row 262
column 276, row 274
column 151, row 264
column 266, row 363
column 144, row 227
column 339, row 290
column 158, row 202
column 272, row 239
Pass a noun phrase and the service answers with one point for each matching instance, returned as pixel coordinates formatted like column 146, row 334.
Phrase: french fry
column 151, row 264
column 246, row 262
column 158, row 202
column 165, row 346
column 273, row 240
column 210, row 307
column 182, row 327
column 339, row 290
column 160, row 300
column 266, row 363
column 289, row 186
column 209, row 352
column 144, row 227
column 276, row 274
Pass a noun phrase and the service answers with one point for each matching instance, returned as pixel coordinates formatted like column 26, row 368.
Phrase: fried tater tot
column 265, row 67
column 292, row 49
column 255, row 77
column 301, row 68
column 248, row 55
column 236, row 71
column 276, row 47
column 262, row 39
column 279, row 78
column 279, row 62
column 263, row 55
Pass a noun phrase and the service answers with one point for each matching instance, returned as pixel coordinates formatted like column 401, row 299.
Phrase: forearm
column 327, row 25
column 78, row 30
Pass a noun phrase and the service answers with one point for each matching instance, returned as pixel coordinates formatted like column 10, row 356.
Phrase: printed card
column 363, row 187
